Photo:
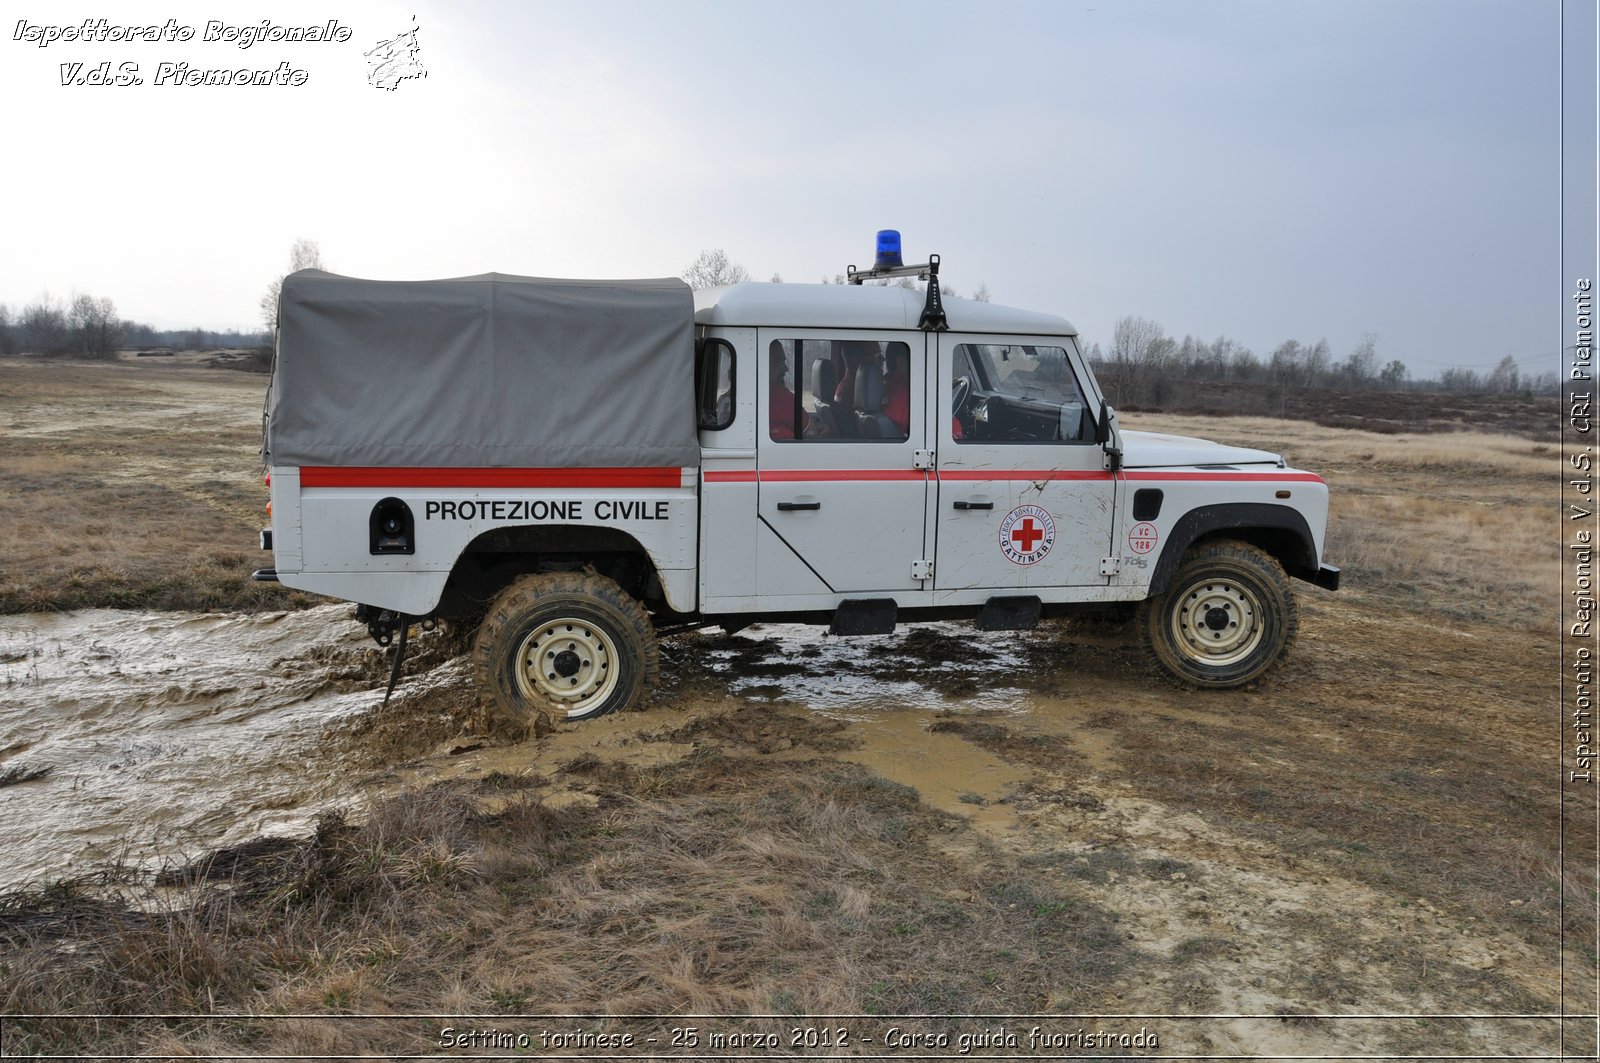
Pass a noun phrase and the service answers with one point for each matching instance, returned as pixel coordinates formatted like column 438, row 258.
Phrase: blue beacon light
column 888, row 250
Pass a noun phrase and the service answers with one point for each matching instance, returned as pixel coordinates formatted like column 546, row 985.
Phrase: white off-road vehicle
column 581, row 467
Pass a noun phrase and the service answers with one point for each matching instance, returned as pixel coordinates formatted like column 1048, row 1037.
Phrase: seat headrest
column 822, row 383
column 869, row 387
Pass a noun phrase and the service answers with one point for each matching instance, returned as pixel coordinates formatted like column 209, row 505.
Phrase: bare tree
column 1317, row 361
column 44, row 327
column 712, row 269
column 1505, row 377
column 1211, row 359
column 138, row 335
column 982, row 294
column 1288, row 363
column 1243, row 364
column 1394, row 375
column 95, row 329
column 1361, row 368
column 8, row 341
column 1138, row 346
column 305, row 254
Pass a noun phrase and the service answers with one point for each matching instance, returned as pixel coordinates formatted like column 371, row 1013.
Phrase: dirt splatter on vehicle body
column 585, row 465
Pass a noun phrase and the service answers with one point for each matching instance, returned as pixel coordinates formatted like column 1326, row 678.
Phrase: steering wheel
column 962, row 392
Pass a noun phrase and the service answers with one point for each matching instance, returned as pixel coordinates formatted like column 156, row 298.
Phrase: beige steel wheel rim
column 569, row 662
column 1217, row 622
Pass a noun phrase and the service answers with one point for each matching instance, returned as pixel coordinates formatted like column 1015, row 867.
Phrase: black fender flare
column 1281, row 531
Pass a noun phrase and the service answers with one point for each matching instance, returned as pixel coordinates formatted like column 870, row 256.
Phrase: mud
column 159, row 735
column 162, row 736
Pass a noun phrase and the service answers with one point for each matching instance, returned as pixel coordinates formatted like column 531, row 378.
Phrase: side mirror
column 1102, row 436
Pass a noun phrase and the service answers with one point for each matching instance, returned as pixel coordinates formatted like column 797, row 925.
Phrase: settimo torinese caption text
column 171, row 72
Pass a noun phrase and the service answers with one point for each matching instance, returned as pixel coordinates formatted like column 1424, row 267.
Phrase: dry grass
column 788, row 888
column 131, row 487
column 1319, row 448
column 1462, row 525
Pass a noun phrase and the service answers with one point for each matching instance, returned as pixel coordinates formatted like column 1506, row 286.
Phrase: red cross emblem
column 1027, row 534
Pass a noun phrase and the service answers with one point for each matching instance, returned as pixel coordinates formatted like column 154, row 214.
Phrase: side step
column 264, row 575
column 864, row 616
column 1020, row 613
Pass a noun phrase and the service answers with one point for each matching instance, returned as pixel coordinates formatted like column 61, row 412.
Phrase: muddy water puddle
column 899, row 692
column 158, row 736
column 936, row 667
column 164, row 734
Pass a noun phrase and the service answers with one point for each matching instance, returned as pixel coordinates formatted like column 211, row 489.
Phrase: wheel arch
column 496, row 558
column 1281, row 531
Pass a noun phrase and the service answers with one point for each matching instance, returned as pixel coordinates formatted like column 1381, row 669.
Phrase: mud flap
column 399, row 658
column 1018, row 613
column 864, row 616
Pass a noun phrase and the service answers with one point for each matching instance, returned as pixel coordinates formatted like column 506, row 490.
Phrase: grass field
column 1376, row 831
column 131, row 486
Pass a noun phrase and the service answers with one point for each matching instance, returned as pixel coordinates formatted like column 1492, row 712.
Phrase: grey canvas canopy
column 495, row 370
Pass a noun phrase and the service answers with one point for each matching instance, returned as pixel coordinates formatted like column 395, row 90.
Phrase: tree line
column 87, row 326
column 1144, row 365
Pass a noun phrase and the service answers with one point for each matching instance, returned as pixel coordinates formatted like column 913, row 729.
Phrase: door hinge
column 1110, row 566
column 922, row 459
column 922, row 570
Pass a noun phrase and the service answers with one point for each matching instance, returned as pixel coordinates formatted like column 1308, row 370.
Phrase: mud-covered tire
column 593, row 646
column 1228, row 618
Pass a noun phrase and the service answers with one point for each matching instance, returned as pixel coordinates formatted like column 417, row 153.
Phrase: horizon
column 1242, row 168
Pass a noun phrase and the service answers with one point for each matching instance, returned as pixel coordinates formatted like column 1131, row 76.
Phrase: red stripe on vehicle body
column 773, row 476
column 1023, row 474
column 390, row 476
column 831, row 475
column 1271, row 477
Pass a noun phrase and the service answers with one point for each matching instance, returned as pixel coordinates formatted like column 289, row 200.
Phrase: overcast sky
column 1266, row 170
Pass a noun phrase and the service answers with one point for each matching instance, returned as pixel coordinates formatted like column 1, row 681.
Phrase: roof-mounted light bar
column 888, row 263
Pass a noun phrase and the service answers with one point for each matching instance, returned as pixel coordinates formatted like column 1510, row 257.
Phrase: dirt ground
column 1361, row 856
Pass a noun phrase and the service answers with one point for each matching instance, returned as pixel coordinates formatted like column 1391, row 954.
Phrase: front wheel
column 1228, row 618
column 574, row 644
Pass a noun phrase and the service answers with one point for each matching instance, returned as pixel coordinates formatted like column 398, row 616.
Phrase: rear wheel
column 572, row 644
column 1228, row 618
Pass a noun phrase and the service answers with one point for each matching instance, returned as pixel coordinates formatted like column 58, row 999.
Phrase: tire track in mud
column 1039, row 752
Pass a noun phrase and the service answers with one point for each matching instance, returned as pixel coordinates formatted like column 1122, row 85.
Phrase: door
column 1024, row 498
column 839, row 482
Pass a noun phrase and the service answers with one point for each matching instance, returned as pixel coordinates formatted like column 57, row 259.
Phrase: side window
column 1017, row 393
column 714, row 377
column 839, row 390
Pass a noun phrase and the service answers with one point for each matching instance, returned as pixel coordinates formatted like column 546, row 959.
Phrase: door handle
column 785, row 507
column 974, row 505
